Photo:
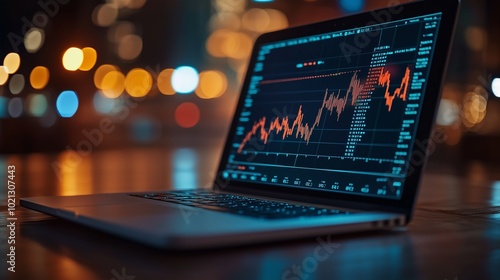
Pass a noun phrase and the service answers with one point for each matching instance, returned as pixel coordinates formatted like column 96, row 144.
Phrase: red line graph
column 331, row 102
column 385, row 80
column 304, row 130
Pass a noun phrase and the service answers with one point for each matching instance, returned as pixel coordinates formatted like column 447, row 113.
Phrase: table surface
column 455, row 232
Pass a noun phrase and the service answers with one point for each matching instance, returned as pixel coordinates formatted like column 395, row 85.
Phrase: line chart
column 385, row 80
column 331, row 102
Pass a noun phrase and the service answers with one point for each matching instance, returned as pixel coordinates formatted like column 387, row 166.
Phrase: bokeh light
column 475, row 37
column 225, row 21
column 130, row 47
column 15, row 107
column 224, row 43
column 233, row 6
column 37, row 104
column 134, row 4
column 3, row 106
column 67, row 103
column 164, row 82
column 113, row 84
column 495, row 87
column 278, row 20
column 16, row 84
column 103, row 104
column 448, row 113
column 131, row 4
column 352, row 6
column 89, row 59
column 33, row 39
column 187, row 115
column 39, row 77
column 72, row 59
column 145, row 129
column 264, row 20
column 215, row 41
column 101, row 72
column 12, row 61
column 256, row 20
column 105, row 14
column 185, row 174
column 237, row 45
column 185, row 79
column 474, row 109
column 212, row 84
column 138, row 82
column 119, row 30
column 4, row 76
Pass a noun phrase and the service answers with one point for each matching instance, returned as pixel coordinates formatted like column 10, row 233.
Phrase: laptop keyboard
column 238, row 204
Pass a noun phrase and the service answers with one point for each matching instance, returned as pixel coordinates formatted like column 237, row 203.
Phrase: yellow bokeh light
column 4, row 76
column 164, row 82
column 215, row 41
column 101, row 72
column 12, row 61
column 278, row 20
column 138, row 82
column 89, row 59
column 72, row 59
column 223, row 43
column 237, row 45
column 212, row 84
column 113, row 84
column 39, row 77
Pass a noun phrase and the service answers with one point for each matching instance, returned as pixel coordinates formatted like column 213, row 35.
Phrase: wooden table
column 455, row 233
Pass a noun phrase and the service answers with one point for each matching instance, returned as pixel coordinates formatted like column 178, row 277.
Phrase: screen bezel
column 404, row 205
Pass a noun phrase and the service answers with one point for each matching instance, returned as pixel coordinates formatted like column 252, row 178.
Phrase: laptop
column 329, row 136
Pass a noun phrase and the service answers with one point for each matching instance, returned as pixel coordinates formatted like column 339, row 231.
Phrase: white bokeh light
column 495, row 87
column 185, row 79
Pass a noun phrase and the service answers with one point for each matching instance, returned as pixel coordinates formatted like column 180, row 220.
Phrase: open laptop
column 329, row 136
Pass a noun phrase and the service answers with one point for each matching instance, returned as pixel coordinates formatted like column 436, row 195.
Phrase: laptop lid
column 342, row 110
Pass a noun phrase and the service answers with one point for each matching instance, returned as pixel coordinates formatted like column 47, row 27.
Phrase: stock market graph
column 335, row 111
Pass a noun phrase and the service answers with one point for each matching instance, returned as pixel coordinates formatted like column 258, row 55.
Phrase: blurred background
column 97, row 93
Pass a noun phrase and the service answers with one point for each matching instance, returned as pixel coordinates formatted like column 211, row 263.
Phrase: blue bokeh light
column 145, row 129
column 15, row 107
column 103, row 104
column 185, row 79
column 352, row 6
column 67, row 103
column 185, row 175
column 3, row 106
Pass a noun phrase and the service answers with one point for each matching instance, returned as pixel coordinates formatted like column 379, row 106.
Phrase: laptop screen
column 336, row 111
